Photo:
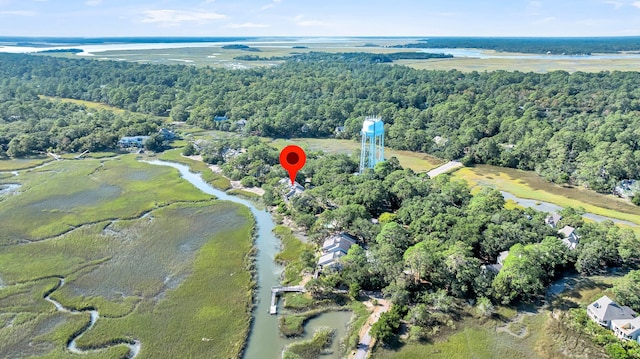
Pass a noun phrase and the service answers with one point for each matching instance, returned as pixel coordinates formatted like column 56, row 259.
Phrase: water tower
column 372, row 150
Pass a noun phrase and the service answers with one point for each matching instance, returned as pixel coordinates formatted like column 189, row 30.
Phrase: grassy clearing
column 526, row 184
column 419, row 162
column 524, row 64
column 245, row 194
column 88, row 104
column 298, row 301
column 215, row 179
column 475, row 339
column 22, row 163
column 67, row 194
column 291, row 254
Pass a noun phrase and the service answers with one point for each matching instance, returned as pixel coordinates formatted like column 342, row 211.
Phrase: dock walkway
column 279, row 289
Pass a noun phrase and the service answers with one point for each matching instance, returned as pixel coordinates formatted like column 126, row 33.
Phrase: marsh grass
column 291, row 255
column 67, row 194
column 169, row 278
column 23, row 163
column 215, row 179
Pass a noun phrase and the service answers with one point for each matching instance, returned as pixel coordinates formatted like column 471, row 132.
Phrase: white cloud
column 616, row 4
column 93, row 2
column 18, row 13
column 535, row 3
column 300, row 21
column 169, row 17
column 636, row 4
column 271, row 5
column 247, row 25
column 545, row 20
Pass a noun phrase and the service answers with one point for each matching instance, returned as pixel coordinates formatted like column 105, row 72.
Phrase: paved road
column 444, row 168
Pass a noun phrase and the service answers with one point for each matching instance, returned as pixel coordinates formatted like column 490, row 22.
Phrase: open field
column 88, row 104
column 527, row 184
column 419, row 162
column 168, row 278
column 47, row 205
column 524, row 64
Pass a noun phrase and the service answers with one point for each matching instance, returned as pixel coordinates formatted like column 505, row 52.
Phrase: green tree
column 627, row 290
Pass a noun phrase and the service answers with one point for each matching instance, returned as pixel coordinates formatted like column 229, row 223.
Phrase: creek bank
column 551, row 208
column 134, row 346
column 264, row 340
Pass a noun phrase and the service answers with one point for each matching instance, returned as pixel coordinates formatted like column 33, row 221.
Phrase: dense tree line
column 558, row 45
column 433, row 244
column 579, row 128
column 29, row 125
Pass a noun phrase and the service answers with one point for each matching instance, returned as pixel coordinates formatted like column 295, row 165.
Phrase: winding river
column 134, row 348
column 264, row 339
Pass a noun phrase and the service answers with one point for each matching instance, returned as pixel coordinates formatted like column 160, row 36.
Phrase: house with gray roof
column 605, row 310
column 338, row 242
column 552, row 220
column 627, row 329
column 570, row 238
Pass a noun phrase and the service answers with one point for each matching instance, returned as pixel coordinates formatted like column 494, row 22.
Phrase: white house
column 333, row 248
column 605, row 310
column 570, row 238
column 498, row 266
column 627, row 329
column 132, row 141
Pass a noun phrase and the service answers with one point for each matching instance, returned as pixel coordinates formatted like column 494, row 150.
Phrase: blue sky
column 319, row 18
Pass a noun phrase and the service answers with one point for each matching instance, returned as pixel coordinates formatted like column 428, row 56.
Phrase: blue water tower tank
column 372, row 149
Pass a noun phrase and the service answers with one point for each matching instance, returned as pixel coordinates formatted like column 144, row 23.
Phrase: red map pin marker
column 292, row 159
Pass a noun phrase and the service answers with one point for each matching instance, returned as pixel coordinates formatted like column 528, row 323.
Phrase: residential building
column 167, row 134
column 330, row 260
column 340, row 242
column 334, row 247
column 292, row 190
column 552, row 220
column 570, row 238
column 132, row 141
column 627, row 329
column 605, row 310
column 500, row 262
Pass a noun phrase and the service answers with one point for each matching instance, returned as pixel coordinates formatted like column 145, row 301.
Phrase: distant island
column 534, row 45
column 240, row 47
column 71, row 51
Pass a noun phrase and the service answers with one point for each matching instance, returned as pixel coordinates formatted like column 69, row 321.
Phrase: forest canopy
column 580, row 128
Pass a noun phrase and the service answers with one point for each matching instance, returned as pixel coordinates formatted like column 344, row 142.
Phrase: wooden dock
column 273, row 309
